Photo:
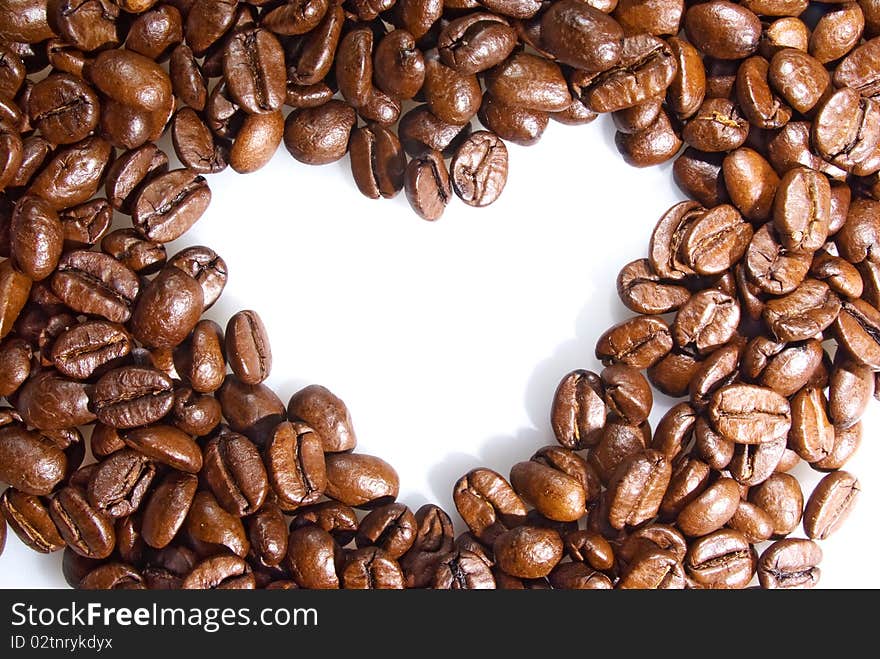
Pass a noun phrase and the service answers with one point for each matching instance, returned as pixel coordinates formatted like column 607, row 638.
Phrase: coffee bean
column 528, row 552
column 222, row 572
column 85, row 529
column 28, row 517
column 723, row 559
column 312, row 555
column 781, row 498
column 208, row 523
column 167, row 508
column 830, row 504
column 391, row 528
column 747, row 414
column 15, row 365
column 722, row 29
column 377, row 161
column 639, row 342
column 427, row 185
column 811, row 435
column 637, row 488
column 372, row 568
column 642, row 291
column 362, row 481
column 201, row 360
column 50, row 402
column 653, row 569
column 253, row 410
column 234, row 471
column 166, row 445
column 857, row 329
column 247, row 347
column 487, row 503
column 475, row 42
column 295, row 464
column 30, row 462
column 119, row 483
column 169, row 204
column 132, row 396
column 790, row 563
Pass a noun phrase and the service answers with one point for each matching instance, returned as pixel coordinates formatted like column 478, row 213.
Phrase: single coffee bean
column 783, row 367
column 849, row 392
column 811, row 435
column 194, row 144
column 581, row 36
column 639, row 342
column 771, row 267
column 790, row 563
column 479, row 169
column 119, row 483
column 427, row 185
column 627, row 394
column 688, row 88
column 830, row 504
column 752, row 464
column 475, row 42
column 654, row 145
column 590, row 548
column 722, row 29
column 253, row 410
column 846, row 129
column 15, row 365
column 841, row 276
column 642, row 291
column 247, row 347
column 637, row 488
column 800, row 79
column 113, row 576
column 747, row 414
column 391, row 528
column 361, row 481
column 846, row 443
column 234, row 471
column 554, row 494
column 167, row 508
column 195, row 414
column 326, row 414
column 222, row 572
column 73, row 174
column 253, row 68
column 317, row 136
column 154, row 33
column 723, row 559
column 578, row 412
column 187, row 79
column 650, row 538
column 313, row 56
column 711, row 510
column 372, row 568
column 377, row 161
column 256, row 142
column 132, row 396
column 295, row 464
column 168, row 309
column 169, row 204
column 312, row 555
column 210, row 524
column 619, row 441
column 487, row 503
column 857, row 330
column 293, row 18
column 804, row 312
column 528, row 552
column 201, row 360
column 751, row 182
column 706, row 321
column 28, row 517
column 85, row 529
column 268, row 534
column 166, row 445
column 135, row 252
column 780, row 497
column 64, row 108
column 653, row 569
column 802, row 209
column 690, row 478
column 30, row 462
column 36, row 237
column 750, row 520
column 129, row 171
column 205, row 266
column 715, row 240
column 50, row 402
column 514, row 124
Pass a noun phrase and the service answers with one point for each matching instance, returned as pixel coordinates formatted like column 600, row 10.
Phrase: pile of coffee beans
column 758, row 300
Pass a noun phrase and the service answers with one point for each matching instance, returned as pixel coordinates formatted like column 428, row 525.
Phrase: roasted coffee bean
column 800, row 79
column 134, row 251
column 377, row 161
column 841, row 276
column 118, row 484
column 295, row 464
column 201, row 360
column 195, row 414
column 50, row 402
column 475, row 42
column 688, row 88
column 802, row 209
column 427, row 185
column 339, row 520
column 15, row 365
column 645, row 70
column 129, row 171
column 803, row 313
column 654, row 145
column 750, row 182
column 391, row 528
column 487, row 503
column 618, row 442
column 752, row 522
column 711, row 509
column 112, row 576
column 253, row 68
column 194, row 143
column 85, row 529
column 672, row 374
column 268, row 534
column 187, row 80
column 752, row 464
column 850, row 390
column 653, row 537
column 73, row 174
column 132, row 396
column 581, row 36
column 154, row 33
column 846, row 129
column 312, row 555
column 28, row 517
column 64, row 108
column 653, row 569
column 747, row 414
column 167, row 508
column 639, row 342
column 577, row 576
column 256, row 141
column 362, row 481
column 628, row 396
column 790, row 563
column 528, row 552
column 292, row 18
column 723, row 559
column 253, row 410
column 30, row 462
column 327, row 415
column 168, row 309
column 639, row 117
column 830, row 504
column 554, row 494
column 781, row 498
column 166, row 445
column 785, row 368
column 86, row 224
column 637, row 487
column 722, row 29
column 771, row 267
column 590, row 548
column 706, row 321
column 313, row 54
column 235, row 473
column 718, row 125
column 223, row 572
column 36, row 237
column 210, row 524
column 421, row 131
column 642, row 291
column 317, row 136
column 785, row 32
column 247, row 347
column 169, row 204
column 479, row 169
column 690, row 477
column 514, row 124
column 205, row 266
column 372, row 568
column 811, row 435
column 846, row 443
column 578, row 412
column 857, row 330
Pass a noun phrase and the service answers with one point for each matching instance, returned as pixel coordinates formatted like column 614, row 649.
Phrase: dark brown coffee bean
column 666, row 240
column 850, row 390
column 118, row 484
column 391, row 528
column 268, row 534
column 86, row 224
column 200, row 360
column 129, row 171
column 36, row 237
column 639, row 342
column 317, row 136
column 706, row 321
column 169, row 204
column 253, row 68
column 85, row 529
column 639, row 117
column 711, row 509
column 223, row 572
column 747, row 414
column 642, row 291
column 29, row 519
column 74, row 173
column 856, row 329
column 167, row 508
column 654, row 145
column 803, row 313
column 427, row 185
column 554, row 494
column 773, row 268
column 210, row 524
column 628, row 396
column 578, row 412
column 194, row 143
column 132, row 396
column 581, row 36
column 723, row 559
column 785, row 368
column 247, row 347
column 168, row 309
column 113, row 576
column 475, row 42
column 750, row 182
column 187, row 80
column 377, row 161
column 781, row 498
column 802, row 209
column 846, row 129
column 529, row 82
column 514, row 124
column 86, row 347
column 372, row 568
column 830, row 504
column 257, row 141
column 64, row 108
column 841, row 276
column 717, row 126
column 166, row 445
column 49, row 402
column 645, row 70
column 312, row 555
column 253, row 410
column 479, row 169
column 15, row 365
column 30, row 462
column 296, row 466
column 313, row 56
column 811, row 435
column 688, row 88
column 790, row 563
column 799, row 79
column 361, row 481
column 134, row 251
column 293, row 18
column 487, row 503
column 653, row 569
column 528, row 552
column 722, row 29
column 637, row 488
column 235, row 473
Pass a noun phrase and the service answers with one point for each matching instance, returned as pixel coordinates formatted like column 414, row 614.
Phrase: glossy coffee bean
column 830, row 504
column 28, row 517
column 132, row 396
column 234, row 471
column 361, row 481
column 85, row 529
column 790, row 563
column 295, row 465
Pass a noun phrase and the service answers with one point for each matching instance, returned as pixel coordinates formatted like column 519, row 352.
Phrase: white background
column 447, row 339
